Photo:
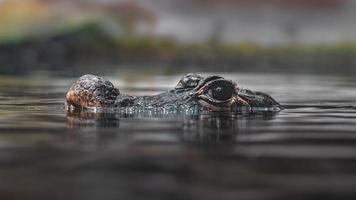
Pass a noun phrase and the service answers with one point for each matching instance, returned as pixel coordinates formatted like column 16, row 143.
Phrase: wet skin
column 213, row 93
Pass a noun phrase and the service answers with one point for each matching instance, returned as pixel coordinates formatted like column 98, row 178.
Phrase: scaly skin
column 213, row 93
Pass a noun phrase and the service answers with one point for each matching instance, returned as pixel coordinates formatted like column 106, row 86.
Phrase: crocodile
column 193, row 92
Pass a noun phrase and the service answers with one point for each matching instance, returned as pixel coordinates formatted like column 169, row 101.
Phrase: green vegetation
column 83, row 43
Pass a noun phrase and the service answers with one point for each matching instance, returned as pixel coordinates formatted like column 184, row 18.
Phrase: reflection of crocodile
column 193, row 92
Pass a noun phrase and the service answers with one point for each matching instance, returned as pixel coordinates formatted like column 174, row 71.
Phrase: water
column 306, row 151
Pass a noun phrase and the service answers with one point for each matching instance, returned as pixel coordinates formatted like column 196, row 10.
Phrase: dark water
column 306, row 151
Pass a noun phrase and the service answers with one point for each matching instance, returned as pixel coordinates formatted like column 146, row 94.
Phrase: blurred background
column 72, row 37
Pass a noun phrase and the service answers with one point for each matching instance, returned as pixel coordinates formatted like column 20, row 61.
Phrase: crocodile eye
column 221, row 90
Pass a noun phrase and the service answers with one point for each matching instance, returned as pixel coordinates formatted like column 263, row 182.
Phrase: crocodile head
column 213, row 93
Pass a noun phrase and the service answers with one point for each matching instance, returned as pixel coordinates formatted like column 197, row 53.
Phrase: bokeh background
column 72, row 37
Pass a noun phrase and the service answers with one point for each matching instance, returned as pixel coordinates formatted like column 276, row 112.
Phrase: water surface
column 308, row 150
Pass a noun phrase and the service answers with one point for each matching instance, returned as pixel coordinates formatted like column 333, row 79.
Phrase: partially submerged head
column 213, row 93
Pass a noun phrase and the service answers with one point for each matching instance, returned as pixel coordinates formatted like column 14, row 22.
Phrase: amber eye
column 221, row 90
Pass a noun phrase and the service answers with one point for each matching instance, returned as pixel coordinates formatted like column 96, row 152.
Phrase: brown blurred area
column 76, row 36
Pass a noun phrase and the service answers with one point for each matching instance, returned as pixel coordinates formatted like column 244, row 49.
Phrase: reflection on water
column 216, row 127
column 305, row 151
